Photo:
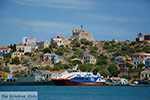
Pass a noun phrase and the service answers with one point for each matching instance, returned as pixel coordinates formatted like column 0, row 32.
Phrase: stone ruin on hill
column 80, row 34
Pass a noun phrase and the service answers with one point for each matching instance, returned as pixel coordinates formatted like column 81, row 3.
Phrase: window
column 142, row 75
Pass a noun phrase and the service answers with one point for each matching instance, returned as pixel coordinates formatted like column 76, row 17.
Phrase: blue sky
column 44, row 19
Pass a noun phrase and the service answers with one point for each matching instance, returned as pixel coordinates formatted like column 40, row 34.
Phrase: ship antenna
column 76, row 66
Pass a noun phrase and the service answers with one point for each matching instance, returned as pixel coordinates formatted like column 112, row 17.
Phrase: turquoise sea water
column 85, row 92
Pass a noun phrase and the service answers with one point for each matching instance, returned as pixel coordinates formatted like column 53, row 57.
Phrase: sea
column 51, row 92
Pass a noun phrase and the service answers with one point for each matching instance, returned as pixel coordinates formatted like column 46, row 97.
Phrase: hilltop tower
column 80, row 34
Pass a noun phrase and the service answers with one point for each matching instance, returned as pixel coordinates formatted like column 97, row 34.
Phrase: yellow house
column 16, row 54
column 1, row 58
column 43, row 44
column 20, row 48
column 145, row 74
column 88, row 58
column 5, row 75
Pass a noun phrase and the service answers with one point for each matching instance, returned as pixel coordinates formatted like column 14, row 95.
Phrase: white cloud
column 111, row 18
column 66, row 4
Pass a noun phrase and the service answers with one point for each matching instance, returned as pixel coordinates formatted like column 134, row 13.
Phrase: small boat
column 78, row 78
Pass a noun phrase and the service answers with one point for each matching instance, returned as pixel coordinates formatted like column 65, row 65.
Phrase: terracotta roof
column 148, row 69
column 141, row 58
column 123, row 56
column 31, row 38
column 2, row 72
column 131, row 62
column 41, row 41
column 4, row 48
column 20, row 45
column 55, row 38
column 76, row 59
column 90, row 55
column 147, row 35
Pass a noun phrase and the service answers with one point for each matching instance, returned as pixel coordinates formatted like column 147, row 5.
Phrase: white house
column 119, row 58
column 30, row 41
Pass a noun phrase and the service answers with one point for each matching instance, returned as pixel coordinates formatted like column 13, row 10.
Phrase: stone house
column 138, row 39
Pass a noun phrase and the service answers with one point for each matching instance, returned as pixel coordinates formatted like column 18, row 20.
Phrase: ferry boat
column 78, row 78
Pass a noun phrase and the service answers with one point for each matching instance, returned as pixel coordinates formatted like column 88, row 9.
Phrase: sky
column 44, row 19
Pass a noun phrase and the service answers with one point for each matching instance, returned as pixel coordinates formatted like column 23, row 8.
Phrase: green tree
column 113, row 70
column 85, row 67
column 22, row 72
column 47, row 50
column 6, row 69
column 8, row 55
column 141, row 65
column 54, row 44
column 129, row 65
column 15, row 61
column 13, row 47
column 140, row 35
column 127, row 77
column 75, row 43
column 75, row 62
column 59, row 52
column 46, row 68
column 83, row 47
column 28, row 54
column 74, row 56
column 102, row 69
column 101, row 60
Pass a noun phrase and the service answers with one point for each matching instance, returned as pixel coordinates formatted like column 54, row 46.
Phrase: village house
column 5, row 75
column 54, row 58
column 16, row 54
column 60, row 40
column 122, row 65
column 47, row 57
column 145, row 75
column 50, row 57
column 138, row 39
column 23, row 48
column 43, row 44
column 142, row 55
column 147, row 63
column 147, row 37
column 119, row 58
column 138, row 61
column 30, row 41
column 4, row 50
column 88, row 58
